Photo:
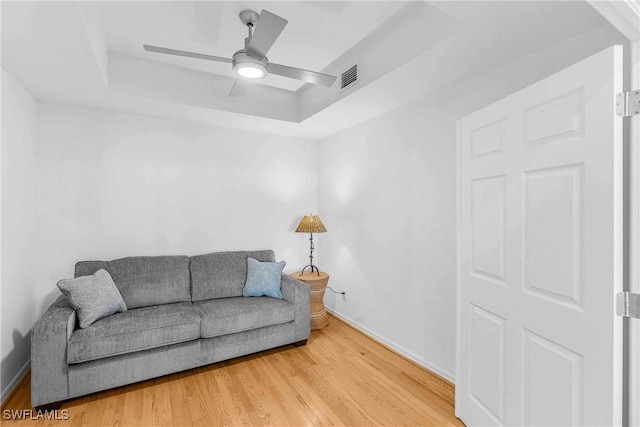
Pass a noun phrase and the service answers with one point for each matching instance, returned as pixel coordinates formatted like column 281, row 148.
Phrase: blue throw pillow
column 263, row 278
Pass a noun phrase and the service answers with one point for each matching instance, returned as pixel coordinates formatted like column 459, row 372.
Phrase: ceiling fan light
column 249, row 70
column 248, row 67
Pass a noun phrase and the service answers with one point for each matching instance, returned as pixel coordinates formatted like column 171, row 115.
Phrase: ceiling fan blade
column 239, row 88
column 268, row 28
column 300, row 74
column 167, row 51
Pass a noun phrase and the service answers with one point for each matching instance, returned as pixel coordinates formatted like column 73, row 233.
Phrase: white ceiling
column 89, row 53
column 317, row 33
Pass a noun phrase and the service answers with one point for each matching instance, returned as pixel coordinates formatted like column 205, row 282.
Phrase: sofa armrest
column 298, row 293
column 49, row 337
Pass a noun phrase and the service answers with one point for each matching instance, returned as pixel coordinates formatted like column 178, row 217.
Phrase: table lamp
column 311, row 224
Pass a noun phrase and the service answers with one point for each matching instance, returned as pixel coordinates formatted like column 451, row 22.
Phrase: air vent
column 349, row 77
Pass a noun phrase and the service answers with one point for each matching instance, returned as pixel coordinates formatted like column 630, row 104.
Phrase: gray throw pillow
column 93, row 297
column 263, row 278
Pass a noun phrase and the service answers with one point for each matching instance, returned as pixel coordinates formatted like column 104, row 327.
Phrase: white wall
column 18, row 263
column 114, row 185
column 387, row 194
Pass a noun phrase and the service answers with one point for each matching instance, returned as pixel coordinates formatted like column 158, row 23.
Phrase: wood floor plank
column 341, row 377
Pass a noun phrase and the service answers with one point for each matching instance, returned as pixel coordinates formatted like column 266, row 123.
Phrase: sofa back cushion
column 222, row 274
column 145, row 281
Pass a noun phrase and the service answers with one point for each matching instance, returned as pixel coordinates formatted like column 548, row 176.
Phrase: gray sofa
column 183, row 312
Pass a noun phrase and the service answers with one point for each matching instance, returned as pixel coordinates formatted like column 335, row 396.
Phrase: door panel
column 488, row 227
column 540, row 239
column 552, row 213
column 487, row 370
column 488, row 139
column 555, row 119
column 545, row 363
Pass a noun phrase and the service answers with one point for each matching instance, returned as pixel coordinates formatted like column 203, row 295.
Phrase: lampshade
column 311, row 224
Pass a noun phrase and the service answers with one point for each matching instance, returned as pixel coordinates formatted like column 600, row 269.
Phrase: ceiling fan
column 251, row 62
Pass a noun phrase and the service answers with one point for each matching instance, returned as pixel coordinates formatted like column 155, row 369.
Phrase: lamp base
column 311, row 267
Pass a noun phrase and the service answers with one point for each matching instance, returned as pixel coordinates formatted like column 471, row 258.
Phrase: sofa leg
column 300, row 343
column 49, row 407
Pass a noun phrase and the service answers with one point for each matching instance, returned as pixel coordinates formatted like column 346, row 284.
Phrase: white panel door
column 540, row 253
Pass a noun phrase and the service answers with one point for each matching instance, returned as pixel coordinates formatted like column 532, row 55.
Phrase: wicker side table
column 318, row 284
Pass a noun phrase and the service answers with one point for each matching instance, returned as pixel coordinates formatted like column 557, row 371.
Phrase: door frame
column 625, row 17
column 634, row 252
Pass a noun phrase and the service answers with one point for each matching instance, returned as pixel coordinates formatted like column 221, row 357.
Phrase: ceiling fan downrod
column 249, row 18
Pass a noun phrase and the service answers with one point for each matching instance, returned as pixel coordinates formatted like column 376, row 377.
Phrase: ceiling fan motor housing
column 241, row 60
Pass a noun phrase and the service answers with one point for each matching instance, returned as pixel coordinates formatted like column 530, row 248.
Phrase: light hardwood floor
column 340, row 377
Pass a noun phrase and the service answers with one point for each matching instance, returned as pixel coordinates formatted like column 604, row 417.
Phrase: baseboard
column 403, row 352
column 8, row 391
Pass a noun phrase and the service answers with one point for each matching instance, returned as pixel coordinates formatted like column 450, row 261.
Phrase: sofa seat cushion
column 134, row 330
column 229, row 315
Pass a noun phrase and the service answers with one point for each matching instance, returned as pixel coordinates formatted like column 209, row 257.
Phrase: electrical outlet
column 344, row 296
